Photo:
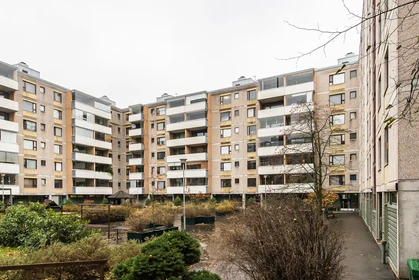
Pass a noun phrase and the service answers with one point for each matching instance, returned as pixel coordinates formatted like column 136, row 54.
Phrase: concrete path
column 363, row 255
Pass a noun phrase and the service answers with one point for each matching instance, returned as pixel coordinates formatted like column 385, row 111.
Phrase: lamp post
column 183, row 163
column 2, row 184
column 265, row 176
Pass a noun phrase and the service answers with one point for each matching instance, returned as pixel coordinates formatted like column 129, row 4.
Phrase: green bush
column 105, row 201
column 99, row 215
column 147, row 202
column 178, row 201
column 213, row 201
column 224, row 207
column 199, row 210
column 68, row 202
column 34, row 225
column 250, row 201
column 71, row 208
column 202, row 275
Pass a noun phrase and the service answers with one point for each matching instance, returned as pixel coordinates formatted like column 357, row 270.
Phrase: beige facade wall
column 119, row 150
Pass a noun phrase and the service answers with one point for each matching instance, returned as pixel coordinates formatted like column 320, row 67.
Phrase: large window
column 226, row 183
column 29, row 145
column 58, row 184
column 161, row 141
column 225, row 150
column 337, row 79
column 58, row 149
column 29, row 163
column 337, row 119
column 251, row 130
column 251, row 147
column 251, row 95
column 58, row 131
column 225, row 166
column 336, row 180
column 161, row 170
column 251, row 112
column 337, row 139
column 58, row 166
column 161, row 185
column 29, row 106
column 386, row 144
column 7, row 157
column 337, row 160
column 337, row 99
column 58, row 97
column 251, row 182
column 58, row 114
column 28, row 125
column 7, row 136
column 161, row 126
column 225, row 99
column 299, row 98
column 161, row 155
column 251, row 165
column 29, row 87
column 161, row 111
column 29, row 183
column 225, row 116
column 225, row 133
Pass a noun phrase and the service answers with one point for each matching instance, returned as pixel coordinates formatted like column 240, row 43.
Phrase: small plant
column 71, row 208
column 147, row 202
column 225, row 207
column 105, row 201
column 177, row 201
column 109, row 169
column 213, row 201
column 250, row 201
column 68, row 202
column 139, row 219
column 202, row 275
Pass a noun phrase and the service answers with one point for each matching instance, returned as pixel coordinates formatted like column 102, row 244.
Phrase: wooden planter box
column 199, row 220
column 141, row 236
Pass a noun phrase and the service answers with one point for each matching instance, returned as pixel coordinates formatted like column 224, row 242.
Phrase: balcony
column 270, row 151
column 9, row 126
column 136, row 117
column 189, row 173
column 133, row 191
column 87, row 141
column 288, row 169
column 136, row 147
column 187, row 141
column 92, row 190
column 9, row 147
column 91, row 174
column 136, row 161
column 188, row 190
column 267, row 113
column 91, row 158
column 9, row 168
column 199, row 123
column 92, row 126
column 288, row 188
column 90, row 109
column 201, row 106
column 7, row 84
column 8, row 106
column 136, row 176
column 136, row 132
column 281, row 91
column 189, row 157
column 274, row 131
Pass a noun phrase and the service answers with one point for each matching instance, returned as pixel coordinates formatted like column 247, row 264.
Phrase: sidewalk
column 363, row 255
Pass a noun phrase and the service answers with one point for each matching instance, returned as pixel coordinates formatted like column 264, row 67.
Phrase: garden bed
column 199, row 220
column 150, row 232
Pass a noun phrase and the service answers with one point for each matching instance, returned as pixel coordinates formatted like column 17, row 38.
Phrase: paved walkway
column 363, row 255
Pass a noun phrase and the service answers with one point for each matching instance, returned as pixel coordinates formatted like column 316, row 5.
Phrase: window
column 251, row 182
column 251, row 165
column 386, row 145
column 336, row 180
column 226, row 183
column 352, row 177
column 160, row 126
column 161, row 185
column 58, row 97
column 236, row 95
column 152, row 140
column 336, row 79
column 251, row 147
column 161, row 111
column 119, row 157
column 42, row 126
column 225, row 116
column 225, row 133
column 337, row 119
column 58, row 184
column 152, row 111
column 28, row 125
column 352, row 157
column 43, row 181
column 58, row 131
column 152, row 154
column 127, row 172
column 161, row 141
column 119, row 116
column 152, row 125
column 58, row 114
column 58, row 149
column 161, row 170
column 352, row 136
column 29, row 163
column 43, row 145
column 29, row 183
column 236, row 164
column 337, row 99
column 225, row 99
column 41, row 89
column 379, row 153
column 7, row 136
column 42, row 108
column 59, row 166
column 119, row 130
column 119, row 170
column 161, row 155
column 337, row 160
column 29, row 87
column 29, row 106
column 43, row 162
column 29, row 145
column 225, row 166
column 251, row 130
column 236, row 113
column 225, row 150
column 251, row 112
column 236, row 130
column 251, row 95
column 236, row 147
column 352, row 115
column 352, row 94
column 352, row 74
column 236, row 181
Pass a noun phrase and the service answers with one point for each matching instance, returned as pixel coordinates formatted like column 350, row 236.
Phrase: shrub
column 99, row 215
column 213, row 200
column 68, row 202
column 202, row 275
column 71, row 208
column 139, row 219
column 105, row 201
column 178, row 201
column 199, row 210
column 224, row 207
column 34, row 226
column 164, row 214
column 147, row 202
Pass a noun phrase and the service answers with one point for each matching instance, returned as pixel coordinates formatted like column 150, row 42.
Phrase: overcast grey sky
column 134, row 51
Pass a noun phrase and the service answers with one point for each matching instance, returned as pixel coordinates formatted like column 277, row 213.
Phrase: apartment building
column 389, row 180
column 337, row 93
column 233, row 139
column 9, row 130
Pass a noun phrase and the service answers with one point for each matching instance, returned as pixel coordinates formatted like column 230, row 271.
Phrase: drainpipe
column 374, row 106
